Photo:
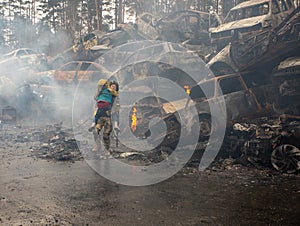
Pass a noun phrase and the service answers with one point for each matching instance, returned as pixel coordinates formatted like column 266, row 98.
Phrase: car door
column 239, row 101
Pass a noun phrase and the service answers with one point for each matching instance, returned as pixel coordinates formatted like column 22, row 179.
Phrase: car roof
column 174, row 15
column 249, row 3
column 289, row 62
column 13, row 51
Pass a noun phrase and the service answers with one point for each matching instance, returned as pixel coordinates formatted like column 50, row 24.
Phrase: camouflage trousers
column 103, row 123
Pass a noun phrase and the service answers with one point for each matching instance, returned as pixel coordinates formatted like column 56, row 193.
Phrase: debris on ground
column 51, row 142
column 57, row 143
column 266, row 142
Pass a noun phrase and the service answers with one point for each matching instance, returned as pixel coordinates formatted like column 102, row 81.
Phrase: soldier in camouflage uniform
column 105, row 97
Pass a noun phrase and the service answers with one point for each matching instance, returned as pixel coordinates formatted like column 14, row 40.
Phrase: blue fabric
column 105, row 95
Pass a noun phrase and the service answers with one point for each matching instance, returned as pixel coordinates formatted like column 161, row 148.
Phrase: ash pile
column 55, row 143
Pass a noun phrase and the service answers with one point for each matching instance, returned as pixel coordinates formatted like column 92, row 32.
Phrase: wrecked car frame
column 190, row 26
column 287, row 76
column 240, row 102
column 250, row 17
column 262, row 50
column 22, row 58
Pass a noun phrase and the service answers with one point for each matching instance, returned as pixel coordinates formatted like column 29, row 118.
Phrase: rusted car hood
column 249, row 22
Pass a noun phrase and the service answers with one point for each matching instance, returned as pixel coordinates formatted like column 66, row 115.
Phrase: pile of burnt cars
column 250, row 17
column 256, row 43
column 272, row 140
column 22, row 58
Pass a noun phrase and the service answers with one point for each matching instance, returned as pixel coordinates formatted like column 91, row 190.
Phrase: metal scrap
column 262, row 50
column 268, row 142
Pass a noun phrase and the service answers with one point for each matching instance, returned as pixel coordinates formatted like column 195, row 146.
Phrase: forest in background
column 57, row 24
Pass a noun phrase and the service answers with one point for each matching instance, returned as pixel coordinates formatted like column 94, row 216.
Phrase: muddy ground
column 36, row 189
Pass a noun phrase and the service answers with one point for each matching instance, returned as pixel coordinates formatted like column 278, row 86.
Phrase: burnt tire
column 205, row 127
column 286, row 158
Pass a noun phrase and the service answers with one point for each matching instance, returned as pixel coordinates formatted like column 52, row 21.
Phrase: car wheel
column 205, row 126
column 286, row 158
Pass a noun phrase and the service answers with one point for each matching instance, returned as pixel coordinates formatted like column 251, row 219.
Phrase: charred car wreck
column 240, row 102
column 249, row 135
column 266, row 142
column 23, row 58
column 261, row 50
column 250, row 17
column 189, row 27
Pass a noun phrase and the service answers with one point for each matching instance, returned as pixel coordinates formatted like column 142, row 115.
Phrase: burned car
column 79, row 51
column 240, row 101
column 92, row 46
column 67, row 76
column 250, row 138
column 22, row 58
column 59, row 86
column 266, row 142
column 146, row 24
column 261, row 51
column 74, row 72
column 287, row 76
column 189, row 25
column 250, row 17
column 186, row 25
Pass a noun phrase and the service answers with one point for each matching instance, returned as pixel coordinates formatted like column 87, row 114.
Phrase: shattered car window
column 289, row 3
column 263, row 9
column 29, row 51
column 243, row 13
column 69, row 67
column 87, row 66
column 205, row 90
column 21, row 53
column 275, row 7
column 230, row 85
column 283, row 5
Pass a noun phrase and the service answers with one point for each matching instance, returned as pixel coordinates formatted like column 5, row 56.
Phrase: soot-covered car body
column 22, row 58
column 250, row 17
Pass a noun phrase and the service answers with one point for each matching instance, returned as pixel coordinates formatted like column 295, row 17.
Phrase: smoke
column 27, row 82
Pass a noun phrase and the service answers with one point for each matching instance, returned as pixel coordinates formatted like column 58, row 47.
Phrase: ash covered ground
column 46, row 181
